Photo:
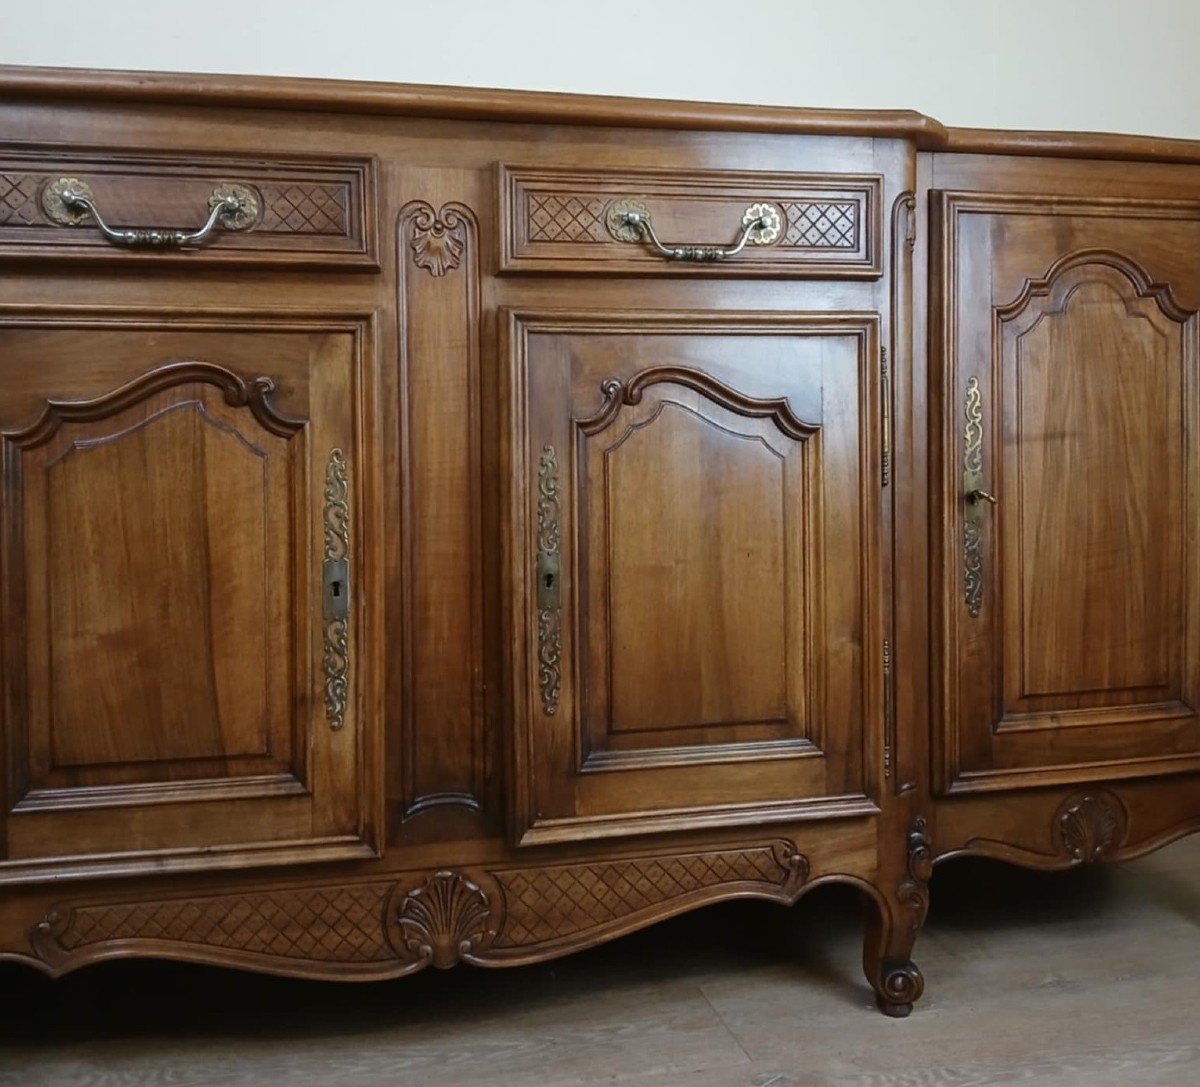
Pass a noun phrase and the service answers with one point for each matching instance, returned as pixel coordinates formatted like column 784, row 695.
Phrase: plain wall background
column 1100, row 65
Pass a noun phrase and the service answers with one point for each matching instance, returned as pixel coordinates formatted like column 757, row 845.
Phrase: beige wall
column 1108, row 65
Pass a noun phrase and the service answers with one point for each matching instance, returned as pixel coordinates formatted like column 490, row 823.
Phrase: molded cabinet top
column 469, row 103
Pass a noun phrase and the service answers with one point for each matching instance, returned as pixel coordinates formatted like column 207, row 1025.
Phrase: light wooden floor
column 1090, row 978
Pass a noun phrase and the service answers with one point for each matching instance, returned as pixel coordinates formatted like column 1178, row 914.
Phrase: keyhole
column 549, row 581
column 337, row 589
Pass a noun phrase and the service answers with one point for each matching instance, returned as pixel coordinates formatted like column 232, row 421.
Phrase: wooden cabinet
column 695, row 565
column 1070, row 457
column 176, row 693
column 528, row 517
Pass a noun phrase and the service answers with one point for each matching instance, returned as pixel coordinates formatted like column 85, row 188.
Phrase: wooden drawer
column 308, row 212
column 562, row 221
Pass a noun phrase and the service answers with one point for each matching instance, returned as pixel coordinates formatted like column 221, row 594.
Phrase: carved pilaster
column 443, row 737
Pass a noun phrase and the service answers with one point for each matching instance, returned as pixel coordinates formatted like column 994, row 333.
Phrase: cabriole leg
column 892, row 929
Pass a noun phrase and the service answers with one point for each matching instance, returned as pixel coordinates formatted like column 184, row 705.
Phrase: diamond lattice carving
column 327, row 924
column 567, row 219
column 821, row 224
column 304, row 209
column 550, row 903
column 18, row 199
column 577, row 217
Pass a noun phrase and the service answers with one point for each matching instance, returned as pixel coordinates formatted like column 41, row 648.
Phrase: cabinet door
column 696, row 608
column 1069, row 412
column 178, row 552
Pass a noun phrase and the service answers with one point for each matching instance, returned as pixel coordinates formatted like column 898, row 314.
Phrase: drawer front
column 298, row 212
column 564, row 221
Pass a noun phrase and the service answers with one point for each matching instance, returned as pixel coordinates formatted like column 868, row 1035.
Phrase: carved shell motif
column 437, row 239
column 1090, row 826
column 443, row 921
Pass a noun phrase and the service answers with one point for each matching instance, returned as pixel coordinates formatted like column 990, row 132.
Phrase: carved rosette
column 442, row 922
column 437, row 239
column 913, row 891
column 1090, row 826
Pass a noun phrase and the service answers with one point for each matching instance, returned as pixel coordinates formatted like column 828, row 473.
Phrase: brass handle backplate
column 975, row 499
column 629, row 221
column 70, row 202
column 549, row 582
column 336, row 589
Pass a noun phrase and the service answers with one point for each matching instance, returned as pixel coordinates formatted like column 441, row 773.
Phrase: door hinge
column 885, row 397
column 889, row 726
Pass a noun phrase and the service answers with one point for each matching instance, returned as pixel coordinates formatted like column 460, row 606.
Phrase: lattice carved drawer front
column 564, row 221
column 312, row 212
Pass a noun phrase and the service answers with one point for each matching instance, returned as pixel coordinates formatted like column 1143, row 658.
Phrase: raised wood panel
column 685, row 472
column 1094, row 453
column 165, row 658
column 128, row 599
column 732, row 542
column 555, row 220
column 1073, row 603
column 698, row 542
column 311, row 211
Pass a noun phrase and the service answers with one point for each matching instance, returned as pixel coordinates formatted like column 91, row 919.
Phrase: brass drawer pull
column 69, row 201
column 629, row 221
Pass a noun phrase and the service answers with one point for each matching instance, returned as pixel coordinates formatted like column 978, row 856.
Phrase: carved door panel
column 180, row 676
column 1070, row 421
column 696, row 610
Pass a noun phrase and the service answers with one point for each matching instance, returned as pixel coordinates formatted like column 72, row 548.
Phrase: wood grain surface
column 428, row 570
column 1080, row 977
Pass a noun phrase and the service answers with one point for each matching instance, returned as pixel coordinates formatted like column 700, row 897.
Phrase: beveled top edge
column 552, row 107
column 458, row 103
column 1076, row 145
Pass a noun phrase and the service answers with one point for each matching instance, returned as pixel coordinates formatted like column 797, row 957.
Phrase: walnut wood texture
column 698, row 507
column 311, row 212
column 451, row 581
column 1065, row 294
column 557, row 221
column 160, row 607
column 1071, row 603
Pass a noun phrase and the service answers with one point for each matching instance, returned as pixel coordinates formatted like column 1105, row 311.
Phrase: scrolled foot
column 900, row 986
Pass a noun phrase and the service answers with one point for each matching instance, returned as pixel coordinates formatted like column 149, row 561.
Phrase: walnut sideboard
column 449, row 526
